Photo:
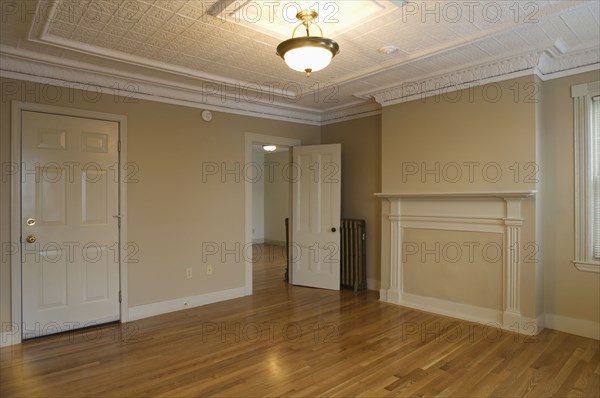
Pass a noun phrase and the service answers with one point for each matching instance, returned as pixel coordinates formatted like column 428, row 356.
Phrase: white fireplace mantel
column 493, row 211
column 458, row 195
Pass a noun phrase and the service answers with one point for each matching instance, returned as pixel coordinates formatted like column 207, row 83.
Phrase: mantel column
column 394, row 292
column 512, row 263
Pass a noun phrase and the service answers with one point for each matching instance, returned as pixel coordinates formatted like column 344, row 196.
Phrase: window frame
column 582, row 95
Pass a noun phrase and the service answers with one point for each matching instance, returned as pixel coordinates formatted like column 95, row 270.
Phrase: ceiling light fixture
column 270, row 148
column 311, row 53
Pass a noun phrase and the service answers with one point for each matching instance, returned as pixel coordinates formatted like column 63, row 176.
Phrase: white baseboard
column 452, row 309
column 580, row 327
column 485, row 316
column 541, row 322
column 373, row 284
column 163, row 307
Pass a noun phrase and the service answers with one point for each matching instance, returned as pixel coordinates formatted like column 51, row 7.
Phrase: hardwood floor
column 302, row 342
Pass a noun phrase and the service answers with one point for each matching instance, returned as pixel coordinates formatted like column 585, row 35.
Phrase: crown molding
column 551, row 65
column 356, row 110
column 546, row 64
column 28, row 65
column 451, row 81
column 568, row 72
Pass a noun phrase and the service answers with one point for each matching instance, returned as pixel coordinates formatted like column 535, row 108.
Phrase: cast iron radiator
column 353, row 259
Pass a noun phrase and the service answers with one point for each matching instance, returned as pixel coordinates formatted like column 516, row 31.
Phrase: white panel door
column 70, row 235
column 316, row 194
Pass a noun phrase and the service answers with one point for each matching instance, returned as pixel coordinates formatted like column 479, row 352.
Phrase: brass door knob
column 31, row 239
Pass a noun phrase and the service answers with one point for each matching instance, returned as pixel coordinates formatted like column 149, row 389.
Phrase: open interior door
column 316, row 177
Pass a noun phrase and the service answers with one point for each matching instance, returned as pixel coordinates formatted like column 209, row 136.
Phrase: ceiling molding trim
column 568, row 72
column 544, row 64
column 115, row 56
column 505, row 69
column 45, row 13
column 93, row 79
column 355, row 111
column 453, row 87
column 148, row 97
column 551, row 64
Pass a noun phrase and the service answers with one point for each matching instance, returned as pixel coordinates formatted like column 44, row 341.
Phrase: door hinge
column 119, row 146
column 120, row 297
column 118, row 217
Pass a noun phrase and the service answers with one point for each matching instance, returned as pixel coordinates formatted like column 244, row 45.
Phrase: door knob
column 31, row 239
column 333, row 229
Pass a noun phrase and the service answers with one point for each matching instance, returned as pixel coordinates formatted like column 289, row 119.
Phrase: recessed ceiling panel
column 278, row 18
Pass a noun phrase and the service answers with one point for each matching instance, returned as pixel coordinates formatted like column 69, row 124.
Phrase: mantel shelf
column 450, row 195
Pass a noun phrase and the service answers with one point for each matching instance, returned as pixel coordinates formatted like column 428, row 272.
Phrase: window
column 587, row 176
column 595, row 137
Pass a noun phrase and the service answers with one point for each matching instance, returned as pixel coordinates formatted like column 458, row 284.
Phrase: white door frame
column 15, row 229
column 256, row 139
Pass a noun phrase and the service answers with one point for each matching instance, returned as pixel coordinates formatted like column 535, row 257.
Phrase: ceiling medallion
column 310, row 53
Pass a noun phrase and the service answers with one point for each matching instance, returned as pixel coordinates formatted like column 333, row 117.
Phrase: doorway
column 271, row 210
column 253, row 143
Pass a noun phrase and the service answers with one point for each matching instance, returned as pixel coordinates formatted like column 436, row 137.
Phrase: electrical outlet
column 209, row 269
column 188, row 273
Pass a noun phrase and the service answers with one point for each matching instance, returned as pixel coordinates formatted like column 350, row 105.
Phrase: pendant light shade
column 310, row 53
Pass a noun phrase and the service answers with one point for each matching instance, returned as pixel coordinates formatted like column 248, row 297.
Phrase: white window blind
column 595, row 176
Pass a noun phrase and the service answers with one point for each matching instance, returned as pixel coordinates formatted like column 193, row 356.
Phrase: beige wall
column 568, row 291
column 486, row 130
column 361, row 178
column 477, row 139
column 277, row 197
column 441, row 271
column 171, row 211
